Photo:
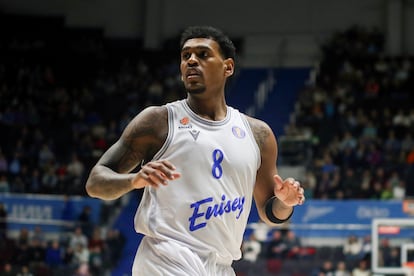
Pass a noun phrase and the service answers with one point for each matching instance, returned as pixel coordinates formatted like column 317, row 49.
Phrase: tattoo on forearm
column 128, row 158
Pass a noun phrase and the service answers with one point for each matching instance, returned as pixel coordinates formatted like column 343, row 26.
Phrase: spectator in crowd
column 114, row 240
column 81, row 255
column 341, row 269
column 49, row 180
column 352, row 249
column 35, row 182
column 45, row 156
column 54, row 255
column 392, row 258
column 362, row 269
column 24, row 271
column 68, row 257
column 386, row 254
column 7, row 270
column 366, row 248
column 75, row 170
column 85, row 221
column 22, row 255
column 277, row 248
column 326, row 269
column 37, row 253
column 15, row 165
column 398, row 190
column 261, row 232
column 293, row 246
column 309, row 184
column 82, row 270
column 251, row 248
column 23, row 236
column 96, row 260
column 78, row 237
column 38, row 235
column 350, row 183
column 4, row 184
column 96, row 239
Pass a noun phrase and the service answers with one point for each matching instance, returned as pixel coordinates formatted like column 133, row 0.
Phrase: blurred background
column 334, row 79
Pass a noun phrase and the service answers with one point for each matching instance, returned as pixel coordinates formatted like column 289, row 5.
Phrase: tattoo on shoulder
column 138, row 129
column 149, row 131
column 260, row 132
column 148, row 125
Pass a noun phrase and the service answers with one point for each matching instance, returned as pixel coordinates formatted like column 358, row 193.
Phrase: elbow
column 95, row 189
column 90, row 188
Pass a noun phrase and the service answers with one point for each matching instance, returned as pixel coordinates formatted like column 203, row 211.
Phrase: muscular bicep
column 140, row 140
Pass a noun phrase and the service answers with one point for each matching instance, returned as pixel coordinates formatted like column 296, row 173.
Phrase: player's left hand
column 289, row 191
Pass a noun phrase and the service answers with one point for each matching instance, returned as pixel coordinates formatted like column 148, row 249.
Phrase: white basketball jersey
column 207, row 208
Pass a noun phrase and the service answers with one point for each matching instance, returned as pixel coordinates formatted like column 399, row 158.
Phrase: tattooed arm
column 112, row 176
column 269, row 184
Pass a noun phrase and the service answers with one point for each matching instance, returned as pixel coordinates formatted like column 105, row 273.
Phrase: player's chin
column 195, row 89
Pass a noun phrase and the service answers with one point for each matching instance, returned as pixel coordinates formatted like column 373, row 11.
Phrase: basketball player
column 201, row 162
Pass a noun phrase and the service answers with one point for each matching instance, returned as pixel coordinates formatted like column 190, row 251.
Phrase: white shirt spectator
column 261, row 231
column 251, row 248
column 78, row 238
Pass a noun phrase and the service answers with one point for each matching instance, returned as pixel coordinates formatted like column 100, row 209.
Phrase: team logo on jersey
column 185, row 123
column 238, row 132
column 207, row 208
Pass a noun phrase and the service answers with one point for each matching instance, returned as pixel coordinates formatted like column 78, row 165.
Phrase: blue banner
column 339, row 218
column 347, row 211
column 48, row 211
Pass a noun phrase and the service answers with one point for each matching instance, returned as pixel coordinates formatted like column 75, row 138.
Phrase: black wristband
column 269, row 212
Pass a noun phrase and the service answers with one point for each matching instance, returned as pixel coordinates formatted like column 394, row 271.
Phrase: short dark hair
column 227, row 48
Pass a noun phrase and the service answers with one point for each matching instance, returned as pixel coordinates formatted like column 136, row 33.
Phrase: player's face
column 202, row 66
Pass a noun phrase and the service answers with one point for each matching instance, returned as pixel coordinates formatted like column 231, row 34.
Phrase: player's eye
column 185, row 55
column 203, row 54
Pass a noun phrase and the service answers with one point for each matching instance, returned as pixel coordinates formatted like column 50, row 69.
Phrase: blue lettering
column 227, row 207
column 213, row 210
column 241, row 204
column 196, row 214
column 235, row 205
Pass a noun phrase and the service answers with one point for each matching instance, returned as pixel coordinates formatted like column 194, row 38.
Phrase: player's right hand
column 155, row 173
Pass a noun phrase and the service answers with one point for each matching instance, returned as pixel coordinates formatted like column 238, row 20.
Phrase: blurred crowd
column 358, row 113
column 280, row 251
column 73, row 252
column 65, row 97
column 62, row 107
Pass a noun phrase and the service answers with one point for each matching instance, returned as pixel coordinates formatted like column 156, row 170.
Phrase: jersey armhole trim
column 250, row 131
column 169, row 136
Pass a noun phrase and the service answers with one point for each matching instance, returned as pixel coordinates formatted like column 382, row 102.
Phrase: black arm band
column 269, row 212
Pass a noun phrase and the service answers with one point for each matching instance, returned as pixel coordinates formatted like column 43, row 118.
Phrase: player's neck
column 210, row 109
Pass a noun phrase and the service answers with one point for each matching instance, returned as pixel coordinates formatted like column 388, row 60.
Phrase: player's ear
column 228, row 67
